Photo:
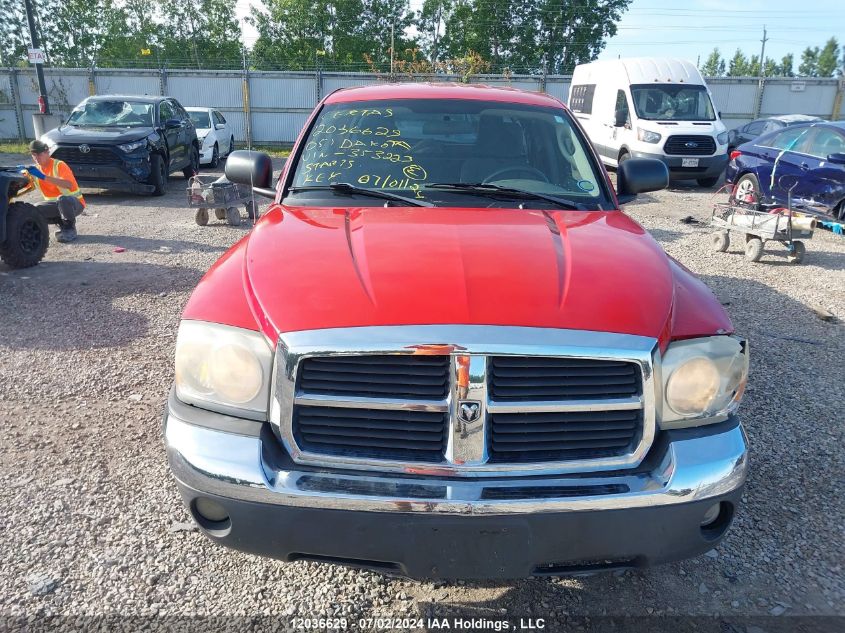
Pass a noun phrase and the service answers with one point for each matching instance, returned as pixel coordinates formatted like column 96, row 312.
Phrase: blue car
column 811, row 154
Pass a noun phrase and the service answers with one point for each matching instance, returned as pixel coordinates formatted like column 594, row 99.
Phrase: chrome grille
column 488, row 401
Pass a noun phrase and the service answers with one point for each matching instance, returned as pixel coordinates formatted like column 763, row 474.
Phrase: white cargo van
column 651, row 107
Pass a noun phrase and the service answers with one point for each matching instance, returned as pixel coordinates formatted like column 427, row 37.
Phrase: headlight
column 648, row 136
column 703, row 380
column 222, row 367
column 48, row 141
column 131, row 147
column 722, row 138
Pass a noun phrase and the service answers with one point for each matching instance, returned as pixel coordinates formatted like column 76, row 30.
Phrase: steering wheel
column 525, row 169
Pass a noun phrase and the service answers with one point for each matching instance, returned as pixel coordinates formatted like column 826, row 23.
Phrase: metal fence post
column 162, row 80
column 837, row 100
column 247, row 106
column 14, row 87
column 92, row 81
column 545, row 74
column 758, row 105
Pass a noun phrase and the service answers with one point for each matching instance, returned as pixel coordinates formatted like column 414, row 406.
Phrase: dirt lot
column 91, row 520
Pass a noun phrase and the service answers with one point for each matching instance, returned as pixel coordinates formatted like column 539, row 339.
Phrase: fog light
column 210, row 510
column 711, row 515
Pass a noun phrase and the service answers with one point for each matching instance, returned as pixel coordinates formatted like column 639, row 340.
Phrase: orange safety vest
column 53, row 192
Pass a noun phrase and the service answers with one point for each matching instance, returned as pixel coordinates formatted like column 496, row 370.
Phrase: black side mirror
column 837, row 158
column 638, row 175
column 251, row 168
column 621, row 117
column 172, row 123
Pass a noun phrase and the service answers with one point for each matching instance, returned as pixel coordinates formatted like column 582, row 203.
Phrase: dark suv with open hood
column 127, row 143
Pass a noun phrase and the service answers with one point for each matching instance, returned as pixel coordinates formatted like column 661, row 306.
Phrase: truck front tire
column 158, row 174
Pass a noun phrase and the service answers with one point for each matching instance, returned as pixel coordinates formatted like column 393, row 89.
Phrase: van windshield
column 672, row 102
column 432, row 150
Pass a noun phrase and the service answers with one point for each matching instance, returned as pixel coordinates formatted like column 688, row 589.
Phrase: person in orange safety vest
column 55, row 181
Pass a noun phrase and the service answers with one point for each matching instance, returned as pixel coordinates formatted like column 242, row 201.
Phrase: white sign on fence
column 36, row 56
column 797, row 86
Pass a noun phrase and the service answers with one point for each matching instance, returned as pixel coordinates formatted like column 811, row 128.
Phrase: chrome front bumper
column 207, row 460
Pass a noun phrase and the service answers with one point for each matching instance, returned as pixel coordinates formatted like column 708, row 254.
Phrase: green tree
column 809, row 62
column 292, row 32
column 491, row 29
column 786, row 65
column 295, row 34
column 771, row 68
column 14, row 34
column 571, row 33
column 738, row 66
column 429, row 23
column 714, row 66
column 829, row 58
column 200, row 34
column 378, row 19
column 753, row 69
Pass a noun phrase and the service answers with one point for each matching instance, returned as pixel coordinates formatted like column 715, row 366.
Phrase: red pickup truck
column 445, row 352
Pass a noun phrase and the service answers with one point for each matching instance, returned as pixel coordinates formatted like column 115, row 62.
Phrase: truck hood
column 313, row 268
column 98, row 135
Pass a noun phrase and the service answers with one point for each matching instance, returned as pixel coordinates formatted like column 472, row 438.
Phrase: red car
column 445, row 352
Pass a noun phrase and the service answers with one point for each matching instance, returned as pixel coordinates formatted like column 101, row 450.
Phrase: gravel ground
column 92, row 523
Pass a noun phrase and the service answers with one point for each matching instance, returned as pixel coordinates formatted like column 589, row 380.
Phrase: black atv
column 24, row 235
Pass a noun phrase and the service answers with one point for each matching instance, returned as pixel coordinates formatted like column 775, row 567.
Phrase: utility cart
column 224, row 198
column 760, row 223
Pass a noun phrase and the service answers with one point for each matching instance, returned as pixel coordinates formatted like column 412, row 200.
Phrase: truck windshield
column 669, row 102
column 429, row 149
column 112, row 113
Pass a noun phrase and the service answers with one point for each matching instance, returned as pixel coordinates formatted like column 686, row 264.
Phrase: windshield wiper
column 491, row 189
column 345, row 187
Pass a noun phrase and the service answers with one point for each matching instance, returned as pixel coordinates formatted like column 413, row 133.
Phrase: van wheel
column 707, row 182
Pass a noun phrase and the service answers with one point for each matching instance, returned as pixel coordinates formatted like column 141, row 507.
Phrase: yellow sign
column 145, row 51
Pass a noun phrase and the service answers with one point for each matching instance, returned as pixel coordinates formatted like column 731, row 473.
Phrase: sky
column 692, row 28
